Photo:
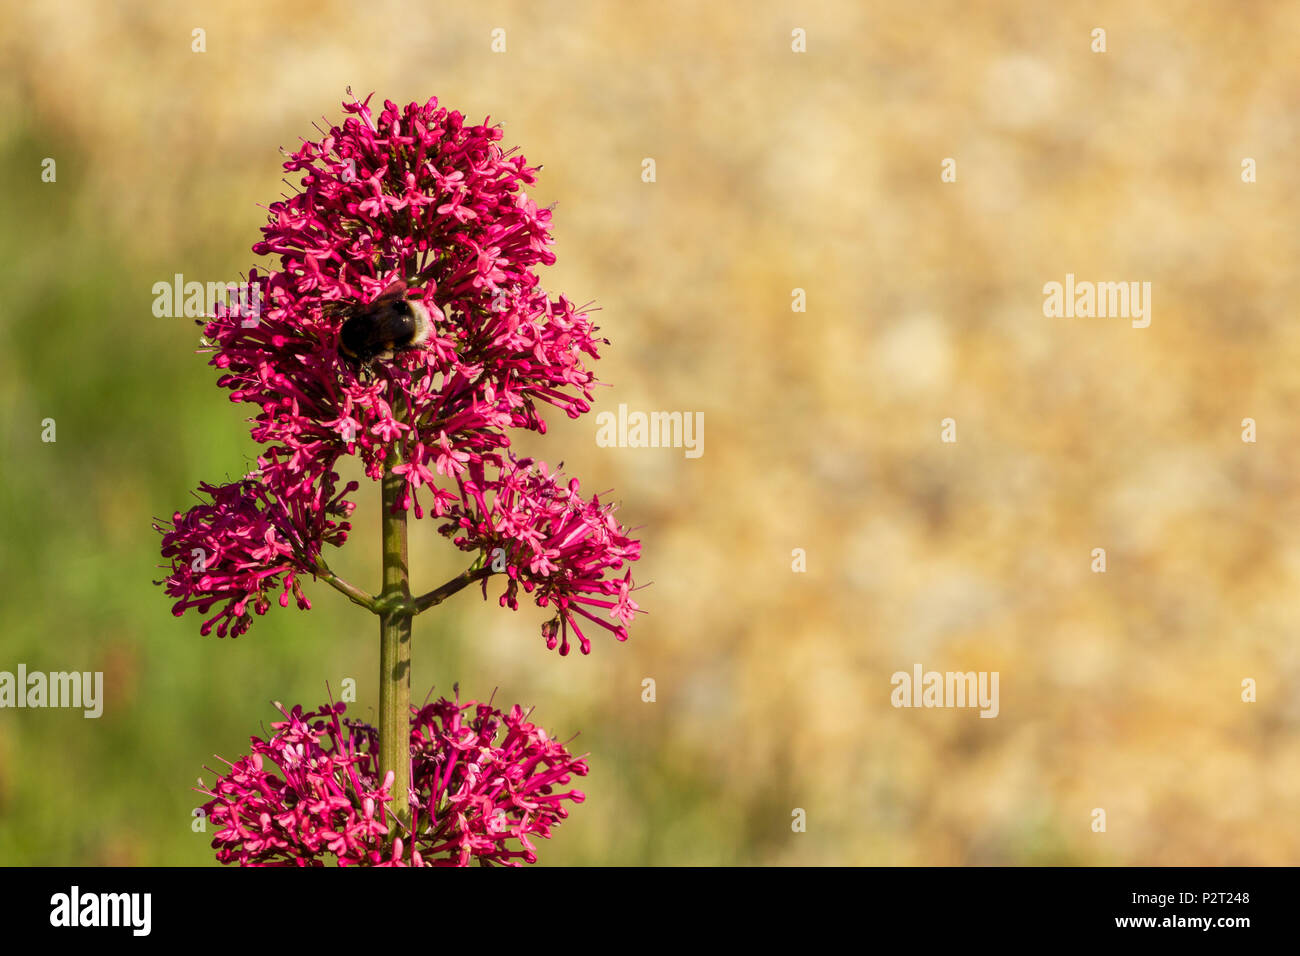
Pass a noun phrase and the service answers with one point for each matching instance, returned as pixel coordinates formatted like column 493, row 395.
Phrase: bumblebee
column 390, row 324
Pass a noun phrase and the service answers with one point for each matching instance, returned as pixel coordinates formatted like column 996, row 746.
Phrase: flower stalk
column 395, row 614
column 416, row 199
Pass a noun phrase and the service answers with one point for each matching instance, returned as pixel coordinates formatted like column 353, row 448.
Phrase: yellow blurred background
column 775, row 171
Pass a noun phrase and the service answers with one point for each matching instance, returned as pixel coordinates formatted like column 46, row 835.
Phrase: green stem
column 440, row 594
column 396, row 609
column 354, row 593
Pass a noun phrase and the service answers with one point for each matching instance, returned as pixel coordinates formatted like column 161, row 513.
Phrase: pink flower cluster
column 245, row 542
column 418, row 195
column 483, row 783
column 552, row 541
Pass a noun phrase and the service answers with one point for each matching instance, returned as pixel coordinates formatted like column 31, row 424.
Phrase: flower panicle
column 420, row 196
column 416, row 195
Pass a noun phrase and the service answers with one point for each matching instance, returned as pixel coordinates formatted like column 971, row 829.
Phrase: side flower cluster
column 239, row 546
column 558, row 546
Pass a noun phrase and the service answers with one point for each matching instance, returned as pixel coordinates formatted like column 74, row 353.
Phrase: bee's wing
column 394, row 293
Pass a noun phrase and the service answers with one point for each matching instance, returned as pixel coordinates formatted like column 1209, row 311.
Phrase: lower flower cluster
column 483, row 784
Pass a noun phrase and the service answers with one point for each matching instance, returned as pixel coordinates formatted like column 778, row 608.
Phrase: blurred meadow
column 775, row 171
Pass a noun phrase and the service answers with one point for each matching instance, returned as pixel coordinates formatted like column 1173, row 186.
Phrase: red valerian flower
column 551, row 541
column 483, row 785
column 419, row 197
column 244, row 543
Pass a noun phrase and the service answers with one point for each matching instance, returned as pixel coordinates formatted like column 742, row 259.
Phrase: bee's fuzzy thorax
column 423, row 322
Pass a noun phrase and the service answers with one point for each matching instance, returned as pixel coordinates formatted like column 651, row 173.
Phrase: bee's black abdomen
column 354, row 337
